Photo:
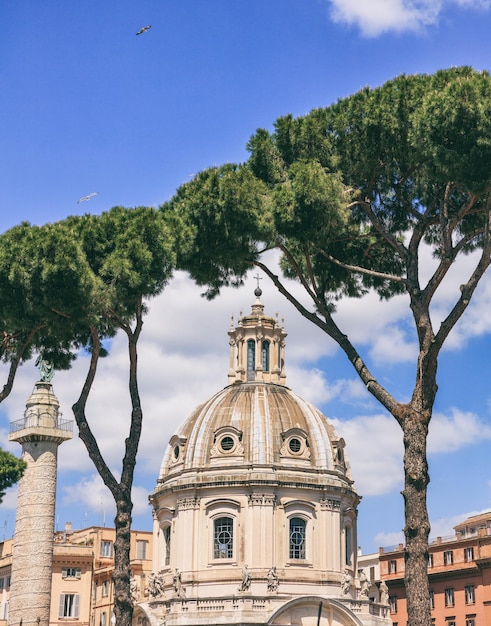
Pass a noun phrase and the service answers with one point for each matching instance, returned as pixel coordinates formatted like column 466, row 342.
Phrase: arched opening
column 167, row 536
column 348, row 545
column 265, row 356
column 251, row 359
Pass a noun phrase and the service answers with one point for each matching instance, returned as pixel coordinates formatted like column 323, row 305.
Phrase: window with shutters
column 141, row 550
column 449, row 596
column 448, row 557
column 107, row 549
column 470, row 596
column 69, row 605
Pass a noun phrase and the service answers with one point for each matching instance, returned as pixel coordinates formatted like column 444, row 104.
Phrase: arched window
column 265, row 356
column 348, row 544
column 297, row 538
column 223, row 538
column 251, row 359
column 167, row 545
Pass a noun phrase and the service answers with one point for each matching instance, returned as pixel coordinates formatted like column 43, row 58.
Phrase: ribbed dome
column 256, row 424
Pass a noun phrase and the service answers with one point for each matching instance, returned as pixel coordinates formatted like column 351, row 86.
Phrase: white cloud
column 312, row 385
column 374, row 449
column 448, row 433
column 10, row 498
column 92, row 496
column 474, row 4
column 89, row 494
column 444, row 526
column 375, row 445
column 375, row 17
column 392, row 345
column 389, row 539
column 441, row 527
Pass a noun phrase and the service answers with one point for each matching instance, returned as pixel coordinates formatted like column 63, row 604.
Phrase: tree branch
column 469, row 288
column 14, row 364
column 298, row 270
column 361, row 270
column 331, row 329
column 85, row 433
column 133, row 439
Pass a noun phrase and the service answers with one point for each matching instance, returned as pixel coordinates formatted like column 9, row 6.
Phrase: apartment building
column 459, row 570
column 81, row 586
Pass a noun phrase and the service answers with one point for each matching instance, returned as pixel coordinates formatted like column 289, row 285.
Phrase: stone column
column 40, row 433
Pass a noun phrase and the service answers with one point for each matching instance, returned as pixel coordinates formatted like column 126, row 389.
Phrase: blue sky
column 88, row 106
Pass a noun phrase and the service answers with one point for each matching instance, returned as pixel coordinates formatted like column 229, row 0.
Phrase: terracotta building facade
column 459, row 570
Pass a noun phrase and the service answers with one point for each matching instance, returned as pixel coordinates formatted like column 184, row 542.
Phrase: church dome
column 256, row 421
column 256, row 424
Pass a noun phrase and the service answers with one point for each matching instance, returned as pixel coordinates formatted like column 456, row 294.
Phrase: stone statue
column 364, row 584
column 178, row 588
column 273, row 581
column 246, row 579
column 46, row 370
column 346, row 581
column 384, row 593
column 155, row 585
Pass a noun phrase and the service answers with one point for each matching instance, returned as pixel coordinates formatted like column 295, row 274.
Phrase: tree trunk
column 123, row 606
column 417, row 528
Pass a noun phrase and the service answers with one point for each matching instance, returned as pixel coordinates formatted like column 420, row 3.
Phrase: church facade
column 255, row 509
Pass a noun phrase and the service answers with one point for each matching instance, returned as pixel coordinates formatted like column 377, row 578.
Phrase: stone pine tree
column 67, row 287
column 350, row 195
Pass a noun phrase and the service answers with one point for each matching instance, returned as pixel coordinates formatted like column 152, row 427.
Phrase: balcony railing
column 41, row 422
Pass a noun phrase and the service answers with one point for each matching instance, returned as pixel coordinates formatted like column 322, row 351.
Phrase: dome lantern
column 257, row 347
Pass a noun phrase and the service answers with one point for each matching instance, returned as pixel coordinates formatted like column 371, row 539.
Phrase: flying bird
column 85, row 198
column 143, row 29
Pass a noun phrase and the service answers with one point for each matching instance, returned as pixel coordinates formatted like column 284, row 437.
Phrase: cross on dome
column 258, row 292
